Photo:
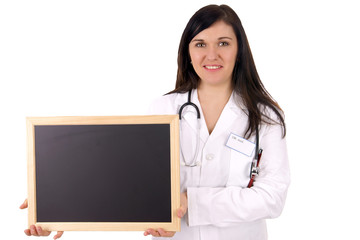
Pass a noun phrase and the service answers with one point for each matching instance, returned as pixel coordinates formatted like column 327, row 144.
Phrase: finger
column 41, row 232
column 181, row 212
column 27, row 232
column 58, row 235
column 154, row 233
column 147, row 232
column 33, row 231
column 161, row 232
column 24, row 204
column 164, row 233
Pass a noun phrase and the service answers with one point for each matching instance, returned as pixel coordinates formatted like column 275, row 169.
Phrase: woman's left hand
column 180, row 213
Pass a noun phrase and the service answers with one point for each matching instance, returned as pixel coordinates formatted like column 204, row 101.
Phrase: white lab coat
column 220, row 206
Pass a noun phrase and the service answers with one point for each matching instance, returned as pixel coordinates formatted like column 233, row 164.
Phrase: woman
column 217, row 73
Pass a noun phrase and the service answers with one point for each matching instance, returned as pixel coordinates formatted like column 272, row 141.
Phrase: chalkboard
column 104, row 173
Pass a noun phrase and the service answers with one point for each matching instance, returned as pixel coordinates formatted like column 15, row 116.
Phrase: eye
column 221, row 44
column 200, row 45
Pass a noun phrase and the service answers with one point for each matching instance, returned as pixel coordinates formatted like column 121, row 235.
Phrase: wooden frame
column 172, row 120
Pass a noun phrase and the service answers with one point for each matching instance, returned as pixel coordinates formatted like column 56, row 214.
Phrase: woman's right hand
column 180, row 213
column 38, row 231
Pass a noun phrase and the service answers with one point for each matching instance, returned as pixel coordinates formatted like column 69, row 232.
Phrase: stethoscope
column 254, row 170
column 193, row 162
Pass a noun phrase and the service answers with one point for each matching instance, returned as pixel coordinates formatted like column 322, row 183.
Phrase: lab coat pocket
column 239, row 172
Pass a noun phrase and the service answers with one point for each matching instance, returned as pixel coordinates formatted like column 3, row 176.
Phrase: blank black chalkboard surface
column 104, row 173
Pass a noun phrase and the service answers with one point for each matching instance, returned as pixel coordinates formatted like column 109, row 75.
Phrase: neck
column 216, row 93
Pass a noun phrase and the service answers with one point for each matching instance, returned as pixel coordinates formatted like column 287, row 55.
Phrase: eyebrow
column 220, row 38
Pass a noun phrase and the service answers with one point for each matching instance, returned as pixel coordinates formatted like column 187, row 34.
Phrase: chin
column 213, row 81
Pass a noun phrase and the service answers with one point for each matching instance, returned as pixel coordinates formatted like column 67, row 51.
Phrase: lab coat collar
column 232, row 110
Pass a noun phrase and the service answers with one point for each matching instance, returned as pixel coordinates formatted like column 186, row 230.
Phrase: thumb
column 59, row 234
column 181, row 211
column 24, row 205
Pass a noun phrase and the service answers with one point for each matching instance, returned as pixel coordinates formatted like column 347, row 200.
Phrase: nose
column 212, row 53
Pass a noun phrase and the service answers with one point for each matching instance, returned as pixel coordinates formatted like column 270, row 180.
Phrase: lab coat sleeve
column 226, row 206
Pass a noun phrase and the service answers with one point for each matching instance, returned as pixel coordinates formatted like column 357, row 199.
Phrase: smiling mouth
column 212, row 67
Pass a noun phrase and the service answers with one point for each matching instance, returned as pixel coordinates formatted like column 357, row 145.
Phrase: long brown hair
column 245, row 79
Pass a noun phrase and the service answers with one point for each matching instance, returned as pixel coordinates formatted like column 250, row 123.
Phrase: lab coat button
column 209, row 156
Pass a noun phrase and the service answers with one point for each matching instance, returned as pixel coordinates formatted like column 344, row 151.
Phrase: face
column 213, row 54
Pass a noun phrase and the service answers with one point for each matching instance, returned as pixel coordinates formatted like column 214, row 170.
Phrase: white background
column 68, row 58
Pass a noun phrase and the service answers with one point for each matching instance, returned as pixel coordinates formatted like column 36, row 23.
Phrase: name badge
column 240, row 145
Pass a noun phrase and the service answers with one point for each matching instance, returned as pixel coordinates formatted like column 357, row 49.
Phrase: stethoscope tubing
column 255, row 163
column 189, row 103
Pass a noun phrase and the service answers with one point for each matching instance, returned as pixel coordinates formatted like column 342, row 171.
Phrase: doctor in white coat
column 216, row 70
